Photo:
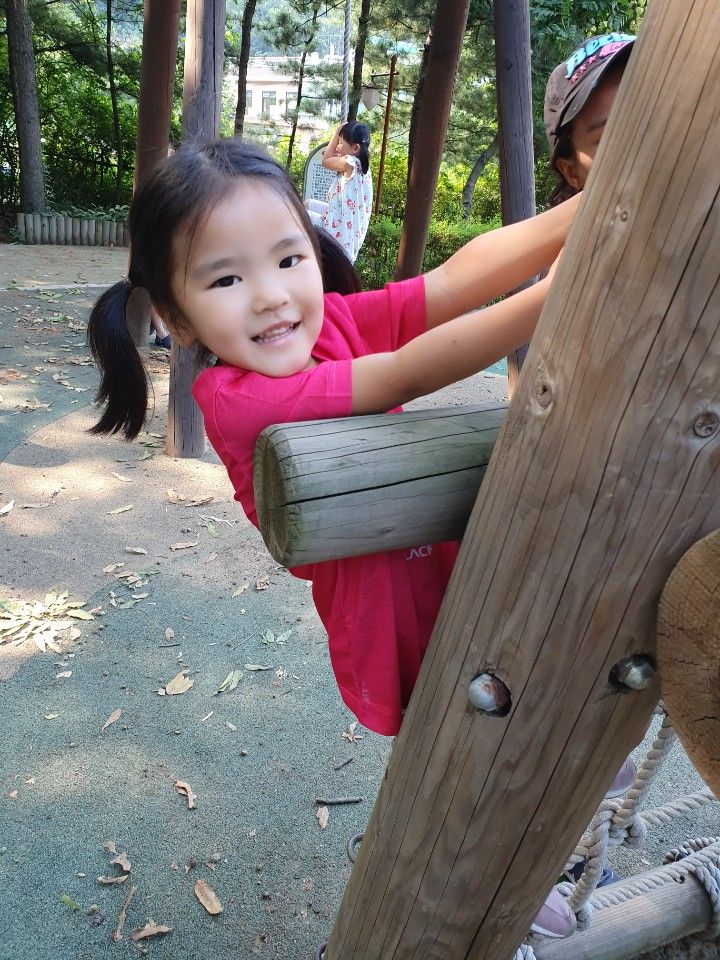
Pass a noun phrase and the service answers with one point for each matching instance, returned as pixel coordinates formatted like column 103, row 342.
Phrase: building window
column 248, row 100
column 290, row 104
column 268, row 100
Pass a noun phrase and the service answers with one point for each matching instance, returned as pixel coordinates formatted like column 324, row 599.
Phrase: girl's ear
column 355, row 149
column 178, row 331
column 568, row 171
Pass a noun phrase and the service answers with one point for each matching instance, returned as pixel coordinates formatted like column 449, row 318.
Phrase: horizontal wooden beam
column 339, row 488
column 647, row 921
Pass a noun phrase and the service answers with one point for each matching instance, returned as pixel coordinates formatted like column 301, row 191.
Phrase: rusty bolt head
column 490, row 695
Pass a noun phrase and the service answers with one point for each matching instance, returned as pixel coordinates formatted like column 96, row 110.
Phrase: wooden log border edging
column 34, row 228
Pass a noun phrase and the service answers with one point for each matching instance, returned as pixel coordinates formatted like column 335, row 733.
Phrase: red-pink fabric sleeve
column 388, row 318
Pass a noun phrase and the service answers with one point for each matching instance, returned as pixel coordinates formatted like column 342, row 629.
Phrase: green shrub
column 378, row 254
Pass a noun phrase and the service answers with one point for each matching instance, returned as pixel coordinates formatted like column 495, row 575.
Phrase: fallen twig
column 335, row 801
column 117, row 936
column 344, row 763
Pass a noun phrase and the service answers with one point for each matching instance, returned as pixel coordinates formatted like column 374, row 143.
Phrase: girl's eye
column 291, row 261
column 227, row 281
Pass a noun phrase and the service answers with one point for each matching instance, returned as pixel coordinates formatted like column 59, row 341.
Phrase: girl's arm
column 329, row 160
column 495, row 263
column 447, row 353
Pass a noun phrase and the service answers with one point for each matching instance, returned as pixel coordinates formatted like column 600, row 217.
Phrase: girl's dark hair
column 355, row 132
column 177, row 196
column 563, row 149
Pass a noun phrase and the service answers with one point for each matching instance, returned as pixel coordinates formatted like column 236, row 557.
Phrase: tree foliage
column 88, row 153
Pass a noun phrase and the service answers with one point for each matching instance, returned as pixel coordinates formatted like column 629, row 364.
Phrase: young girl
column 346, row 213
column 224, row 246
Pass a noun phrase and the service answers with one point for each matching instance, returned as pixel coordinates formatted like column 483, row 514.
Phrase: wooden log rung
column 337, row 488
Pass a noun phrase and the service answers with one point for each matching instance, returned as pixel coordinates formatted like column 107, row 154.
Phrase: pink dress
column 378, row 610
column 349, row 202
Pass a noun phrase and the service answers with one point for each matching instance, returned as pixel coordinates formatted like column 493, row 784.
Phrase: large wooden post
column 202, row 100
column 447, row 36
column 605, row 472
column 515, row 125
column 161, row 24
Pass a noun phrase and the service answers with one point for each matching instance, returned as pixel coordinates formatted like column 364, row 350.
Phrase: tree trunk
column 301, row 76
column 114, row 100
column 157, row 84
column 202, row 98
column 417, row 103
column 445, row 45
column 243, row 60
column 606, row 471
column 361, row 40
column 515, row 126
column 482, row 161
column 161, row 24
column 25, row 102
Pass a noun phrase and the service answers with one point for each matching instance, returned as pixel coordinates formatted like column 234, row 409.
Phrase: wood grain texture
column 339, row 488
column 597, row 485
column 688, row 648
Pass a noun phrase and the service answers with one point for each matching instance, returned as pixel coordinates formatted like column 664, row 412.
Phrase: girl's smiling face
column 247, row 284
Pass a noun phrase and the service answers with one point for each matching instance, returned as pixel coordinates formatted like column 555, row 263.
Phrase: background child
column 223, row 245
column 346, row 212
column 578, row 97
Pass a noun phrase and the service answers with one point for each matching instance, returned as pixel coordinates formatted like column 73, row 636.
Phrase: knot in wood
column 543, row 394
column 490, row 695
column 706, row 424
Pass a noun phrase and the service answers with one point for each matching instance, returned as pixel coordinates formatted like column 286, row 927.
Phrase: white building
column 271, row 92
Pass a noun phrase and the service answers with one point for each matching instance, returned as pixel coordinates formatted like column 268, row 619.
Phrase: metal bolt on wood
column 489, row 694
column 635, row 672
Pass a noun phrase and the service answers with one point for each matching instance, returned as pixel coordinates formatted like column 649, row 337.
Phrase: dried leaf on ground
column 51, row 716
column 141, row 550
column 180, row 683
column 63, row 674
column 262, row 583
column 169, row 633
column 112, row 881
column 151, row 929
column 121, row 860
column 4, row 510
column 230, row 681
column 112, row 567
column 27, row 406
column 114, row 716
column 350, row 735
column 256, row 667
column 185, row 790
column 207, row 897
column 184, row 545
column 230, row 726
column 43, row 622
column 323, row 815
column 241, row 589
column 119, row 476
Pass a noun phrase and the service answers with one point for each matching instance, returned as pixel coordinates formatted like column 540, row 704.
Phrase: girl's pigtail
column 123, row 385
column 338, row 273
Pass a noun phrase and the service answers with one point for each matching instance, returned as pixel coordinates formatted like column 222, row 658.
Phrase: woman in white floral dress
column 346, row 213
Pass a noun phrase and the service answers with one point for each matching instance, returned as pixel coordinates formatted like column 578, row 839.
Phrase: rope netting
column 620, row 823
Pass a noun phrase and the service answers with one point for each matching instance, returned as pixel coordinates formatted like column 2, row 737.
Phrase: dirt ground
column 180, row 584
